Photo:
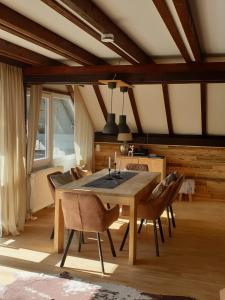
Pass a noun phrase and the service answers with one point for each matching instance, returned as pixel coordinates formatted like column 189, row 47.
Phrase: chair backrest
column 51, row 182
column 58, row 178
column 74, row 173
column 137, row 167
column 78, row 172
column 154, row 207
column 162, row 201
column 176, row 188
column 83, row 212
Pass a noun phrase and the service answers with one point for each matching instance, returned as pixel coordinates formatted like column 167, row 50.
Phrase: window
column 63, row 130
column 42, row 145
column 55, row 136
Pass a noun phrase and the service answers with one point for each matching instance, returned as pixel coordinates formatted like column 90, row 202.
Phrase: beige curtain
column 12, row 151
column 84, row 132
column 32, row 127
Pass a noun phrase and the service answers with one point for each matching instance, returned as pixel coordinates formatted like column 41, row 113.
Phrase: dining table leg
column 59, row 225
column 133, row 232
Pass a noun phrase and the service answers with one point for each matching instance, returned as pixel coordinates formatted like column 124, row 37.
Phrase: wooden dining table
column 128, row 193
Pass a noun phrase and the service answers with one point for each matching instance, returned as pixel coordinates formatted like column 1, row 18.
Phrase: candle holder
column 109, row 175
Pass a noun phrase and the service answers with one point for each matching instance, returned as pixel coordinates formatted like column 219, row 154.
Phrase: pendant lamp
column 123, row 127
column 111, row 126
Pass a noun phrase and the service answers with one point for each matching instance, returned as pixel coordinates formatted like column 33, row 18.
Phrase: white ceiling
column 210, row 20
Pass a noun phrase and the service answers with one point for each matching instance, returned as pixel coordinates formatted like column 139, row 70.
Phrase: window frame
column 49, row 160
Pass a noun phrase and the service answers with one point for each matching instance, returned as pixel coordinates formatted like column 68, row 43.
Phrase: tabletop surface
column 129, row 188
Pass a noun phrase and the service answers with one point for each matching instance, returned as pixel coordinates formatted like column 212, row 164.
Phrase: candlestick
column 109, row 162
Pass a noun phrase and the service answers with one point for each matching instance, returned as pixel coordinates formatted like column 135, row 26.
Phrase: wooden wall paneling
column 206, row 165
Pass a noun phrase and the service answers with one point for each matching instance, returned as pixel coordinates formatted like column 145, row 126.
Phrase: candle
column 115, row 157
column 109, row 162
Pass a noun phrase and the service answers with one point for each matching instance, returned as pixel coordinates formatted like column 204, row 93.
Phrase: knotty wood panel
column 204, row 164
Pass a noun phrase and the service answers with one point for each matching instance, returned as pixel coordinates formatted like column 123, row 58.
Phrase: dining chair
column 151, row 209
column 172, row 197
column 56, row 179
column 85, row 212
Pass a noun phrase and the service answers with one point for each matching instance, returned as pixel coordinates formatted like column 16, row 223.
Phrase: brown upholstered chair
column 56, row 179
column 172, row 197
column 85, row 212
column 137, row 167
column 151, row 209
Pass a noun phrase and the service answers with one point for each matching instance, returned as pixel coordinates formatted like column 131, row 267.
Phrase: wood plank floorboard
column 191, row 263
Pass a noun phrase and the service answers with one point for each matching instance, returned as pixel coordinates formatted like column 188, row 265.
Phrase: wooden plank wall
column 204, row 164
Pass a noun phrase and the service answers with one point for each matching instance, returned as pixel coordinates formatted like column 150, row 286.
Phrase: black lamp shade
column 123, row 127
column 110, row 126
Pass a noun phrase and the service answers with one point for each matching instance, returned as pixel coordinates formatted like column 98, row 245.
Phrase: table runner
column 105, row 183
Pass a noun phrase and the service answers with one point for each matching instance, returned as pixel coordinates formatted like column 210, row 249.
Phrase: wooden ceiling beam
column 21, row 26
column 167, row 17
column 166, row 139
column 100, row 100
column 132, row 74
column 92, row 14
column 85, row 27
column 167, row 108
column 13, row 62
column 21, row 54
column 186, row 19
column 135, row 111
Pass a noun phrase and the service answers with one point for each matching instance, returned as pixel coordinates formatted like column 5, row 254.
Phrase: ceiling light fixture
column 111, row 126
column 107, row 37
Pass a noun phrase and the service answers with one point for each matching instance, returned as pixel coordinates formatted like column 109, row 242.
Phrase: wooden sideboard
column 154, row 164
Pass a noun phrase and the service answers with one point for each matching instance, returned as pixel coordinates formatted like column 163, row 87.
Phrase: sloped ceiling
column 141, row 21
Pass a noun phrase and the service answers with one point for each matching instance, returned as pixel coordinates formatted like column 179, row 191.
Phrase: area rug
column 35, row 286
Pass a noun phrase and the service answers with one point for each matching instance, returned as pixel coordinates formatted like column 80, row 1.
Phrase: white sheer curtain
column 32, row 127
column 12, row 151
column 84, row 132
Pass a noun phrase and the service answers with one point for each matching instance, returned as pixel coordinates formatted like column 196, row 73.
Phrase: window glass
column 63, row 128
column 41, row 147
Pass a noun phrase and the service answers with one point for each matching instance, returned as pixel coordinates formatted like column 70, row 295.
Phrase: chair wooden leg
column 140, row 226
column 100, row 252
column 80, row 241
column 52, row 234
column 172, row 216
column 161, row 230
column 111, row 243
column 125, row 237
column 156, row 238
column 67, row 248
column 169, row 222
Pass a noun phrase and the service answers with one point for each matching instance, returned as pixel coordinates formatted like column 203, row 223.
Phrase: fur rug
column 35, row 286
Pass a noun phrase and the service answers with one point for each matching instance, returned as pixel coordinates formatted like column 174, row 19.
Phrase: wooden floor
column 191, row 263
